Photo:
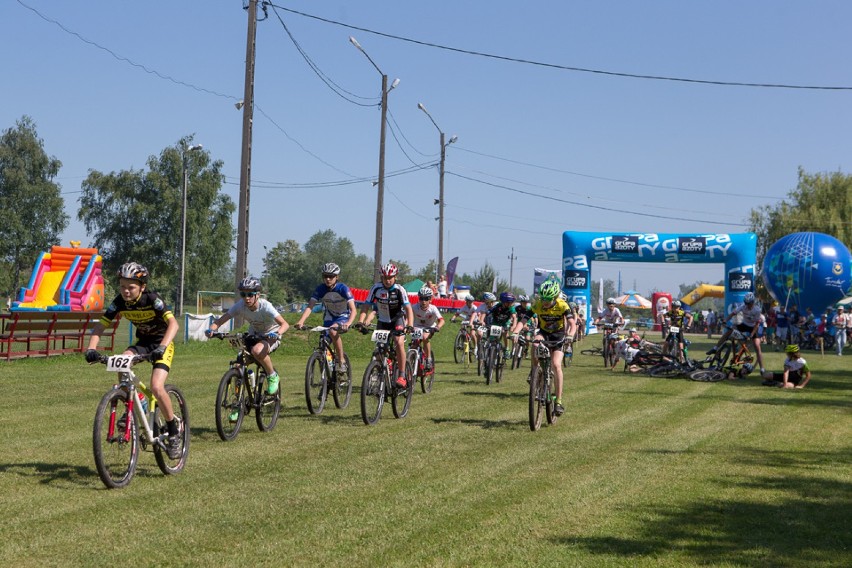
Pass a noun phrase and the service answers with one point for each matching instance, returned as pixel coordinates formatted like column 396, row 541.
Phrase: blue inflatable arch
column 737, row 251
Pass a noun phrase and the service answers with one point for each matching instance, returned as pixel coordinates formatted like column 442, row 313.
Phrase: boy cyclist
column 429, row 319
column 156, row 327
column 503, row 314
column 390, row 302
column 266, row 326
column 339, row 304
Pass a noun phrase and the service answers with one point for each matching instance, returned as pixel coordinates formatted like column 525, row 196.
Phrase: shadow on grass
column 497, row 395
column 57, row 474
column 806, row 525
column 483, row 424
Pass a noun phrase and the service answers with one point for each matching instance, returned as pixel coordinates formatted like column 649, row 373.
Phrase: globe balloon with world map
column 810, row 270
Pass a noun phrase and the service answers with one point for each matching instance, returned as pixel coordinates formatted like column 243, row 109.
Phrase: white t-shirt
column 261, row 321
column 427, row 317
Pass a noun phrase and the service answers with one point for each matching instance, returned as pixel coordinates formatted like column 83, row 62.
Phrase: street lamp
column 440, row 191
column 380, row 198
column 186, row 151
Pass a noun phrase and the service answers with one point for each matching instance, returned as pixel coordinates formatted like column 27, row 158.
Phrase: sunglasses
column 248, row 294
column 329, row 275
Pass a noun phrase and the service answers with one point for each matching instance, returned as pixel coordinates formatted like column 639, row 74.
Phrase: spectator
column 442, row 287
column 782, row 327
column 841, row 321
column 711, row 323
column 793, row 318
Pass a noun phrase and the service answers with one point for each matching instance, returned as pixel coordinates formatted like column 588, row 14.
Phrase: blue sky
column 608, row 153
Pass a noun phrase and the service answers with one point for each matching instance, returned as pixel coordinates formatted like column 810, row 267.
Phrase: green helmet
column 549, row 290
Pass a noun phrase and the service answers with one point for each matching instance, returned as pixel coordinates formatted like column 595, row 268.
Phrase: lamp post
column 440, row 191
column 186, row 151
column 380, row 197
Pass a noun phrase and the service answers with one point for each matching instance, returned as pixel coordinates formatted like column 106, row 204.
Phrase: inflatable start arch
column 737, row 251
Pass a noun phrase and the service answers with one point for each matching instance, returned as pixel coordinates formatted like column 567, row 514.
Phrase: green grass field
column 638, row 472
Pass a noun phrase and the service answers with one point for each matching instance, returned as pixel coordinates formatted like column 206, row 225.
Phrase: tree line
column 136, row 215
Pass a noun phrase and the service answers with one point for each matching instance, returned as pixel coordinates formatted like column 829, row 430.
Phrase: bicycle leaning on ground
column 378, row 383
column 243, row 389
column 542, row 400
column 733, row 359
column 323, row 374
column 123, row 423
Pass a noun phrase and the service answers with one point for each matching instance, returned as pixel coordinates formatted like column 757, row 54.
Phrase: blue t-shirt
column 335, row 300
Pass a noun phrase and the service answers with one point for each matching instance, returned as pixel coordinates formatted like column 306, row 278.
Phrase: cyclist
column 503, row 314
column 611, row 315
column 482, row 317
column 555, row 324
column 796, row 372
column 429, row 319
column 340, row 312
column 156, row 328
column 526, row 318
column 680, row 318
column 266, row 326
column 466, row 314
column 751, row 320
column 390, row 301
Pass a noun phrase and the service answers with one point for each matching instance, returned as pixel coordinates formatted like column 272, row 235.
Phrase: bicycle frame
column 128, row 380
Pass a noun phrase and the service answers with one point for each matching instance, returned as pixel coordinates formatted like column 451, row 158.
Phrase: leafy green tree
column 136, row 215
column 427, row 272
column 820, row 203
column 33, row 210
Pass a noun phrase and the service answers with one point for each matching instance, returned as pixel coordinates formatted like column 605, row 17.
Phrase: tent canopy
column 632, row 299
column 414, row 286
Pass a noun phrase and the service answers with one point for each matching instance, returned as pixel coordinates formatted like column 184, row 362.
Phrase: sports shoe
column 712, row 351
column 401, row 382
column 341, row 368
column 234, row 416
column 559, row 410
column 272, row 384
column 173, row 446
column 427, row 365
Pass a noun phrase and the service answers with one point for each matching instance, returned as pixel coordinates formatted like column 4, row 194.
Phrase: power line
column 566, row 67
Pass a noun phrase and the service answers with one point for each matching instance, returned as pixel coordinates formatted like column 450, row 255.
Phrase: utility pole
column 512, row 259
column 245, row 162
column 440, row 202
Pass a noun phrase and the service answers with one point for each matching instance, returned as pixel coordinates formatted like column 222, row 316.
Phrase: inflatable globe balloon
column 810, row 270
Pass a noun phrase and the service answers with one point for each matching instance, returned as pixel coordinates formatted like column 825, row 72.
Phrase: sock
column 171, row 426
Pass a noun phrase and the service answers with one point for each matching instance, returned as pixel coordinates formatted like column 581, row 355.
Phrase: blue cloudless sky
column 546, row 142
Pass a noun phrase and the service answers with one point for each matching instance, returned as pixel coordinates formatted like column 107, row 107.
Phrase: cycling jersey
column 676, row 316
column 552, row 319
column 388, row 302
column 148, row 313
column 261, row 321
column 612, row 316
column 466, row 311
column 501, row 315
column 425, row 317
column 483, row 314
column 335, row 300
column 751, row 316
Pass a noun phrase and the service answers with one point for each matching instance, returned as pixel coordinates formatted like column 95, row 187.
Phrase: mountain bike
column 733, row 357
column 378, row 382
column 243, row 389
column 542, row 400
column 480, row 350
column 323, row 374
column 609, row 339
column 493, row 360
column 521, row 349
column 416, row 361
column 462, row 345
column 123, row 424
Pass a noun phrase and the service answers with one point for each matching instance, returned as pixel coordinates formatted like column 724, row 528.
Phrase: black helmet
column 250, row 284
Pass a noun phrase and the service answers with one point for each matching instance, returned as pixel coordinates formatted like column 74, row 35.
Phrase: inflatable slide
column 66, row 279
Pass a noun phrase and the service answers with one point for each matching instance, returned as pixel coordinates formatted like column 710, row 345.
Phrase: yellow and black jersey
column 148, row 313
column 676, row 316
column 552, row 319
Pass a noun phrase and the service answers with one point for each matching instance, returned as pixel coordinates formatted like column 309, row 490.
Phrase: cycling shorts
column 271, row 345
column 143, row 348
column 396, row 324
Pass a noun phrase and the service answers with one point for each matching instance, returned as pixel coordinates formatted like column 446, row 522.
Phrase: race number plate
column 380, row 336
column 496, row 331
column 119, row 363
column 417, row 333
column 674, row 329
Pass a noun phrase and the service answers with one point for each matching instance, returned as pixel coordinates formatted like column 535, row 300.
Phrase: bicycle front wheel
column 720, row 358
column 458, row 349
column 537, row 399
column 372, row 393
column 401, row 398
column 428, row 377
column 490, row 363
column 550, row 407
column 707, row 375
column 665, row 370
column 229, row 404
column 167, row 465
column 343, row 385
column 267, row 406
column 114, row 440
column 316, row 384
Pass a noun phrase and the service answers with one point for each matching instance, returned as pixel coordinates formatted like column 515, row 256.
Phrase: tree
column 485, row 280
column 820, row 203
column 33, row 210
column 136, row 215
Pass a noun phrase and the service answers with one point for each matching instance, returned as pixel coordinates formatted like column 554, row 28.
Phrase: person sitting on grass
column 796, row 372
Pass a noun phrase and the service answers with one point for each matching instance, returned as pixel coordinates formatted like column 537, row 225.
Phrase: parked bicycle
column 463, row 351
column 124, row 422
column 416, row 361
column 493, row 359
column 542, row 399
column 378, row 382
column 243, row 389
column 323, row 374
